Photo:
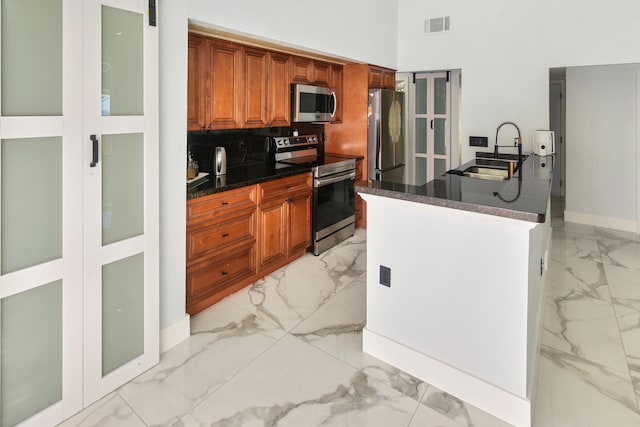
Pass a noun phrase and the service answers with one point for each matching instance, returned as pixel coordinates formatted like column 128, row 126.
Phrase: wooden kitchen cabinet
column 381, row 78
column 255, row 88
column 302, row 70
column 225, row 90
column 238, row 236
column 322, row 73
column 197, row 83
column 299, row 227
column 284, row 218
column 279, row 97
column 214, row 84
column 221, row 245
column 336, row 83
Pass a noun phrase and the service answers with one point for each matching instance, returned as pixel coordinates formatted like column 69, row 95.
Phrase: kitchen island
column 456, row 273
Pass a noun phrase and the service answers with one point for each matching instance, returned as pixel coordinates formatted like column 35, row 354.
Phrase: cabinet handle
column 431, row 124
column 224, row 273
column 225, row 203
column 225, row 234
column 94, row 159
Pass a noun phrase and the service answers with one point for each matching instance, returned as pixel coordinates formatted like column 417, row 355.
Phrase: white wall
column 505, row 49
column 364, row 30
column 601, row 135
column 172, row 25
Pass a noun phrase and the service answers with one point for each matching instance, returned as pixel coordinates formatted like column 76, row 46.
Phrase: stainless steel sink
column 486, row 172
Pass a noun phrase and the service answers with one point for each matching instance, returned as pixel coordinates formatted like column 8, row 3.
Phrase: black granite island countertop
column 524, row 196
column 242, row 176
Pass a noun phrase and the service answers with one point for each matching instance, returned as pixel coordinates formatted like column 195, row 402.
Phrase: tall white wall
column 362, row 30
column 601, row 133
column 505, row 49
column 172, row 25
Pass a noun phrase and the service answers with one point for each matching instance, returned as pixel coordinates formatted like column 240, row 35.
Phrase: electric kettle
column 220, row 161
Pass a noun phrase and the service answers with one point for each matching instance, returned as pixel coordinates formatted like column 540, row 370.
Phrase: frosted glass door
column 40, row 212
column 121, row 194
column 432, row 128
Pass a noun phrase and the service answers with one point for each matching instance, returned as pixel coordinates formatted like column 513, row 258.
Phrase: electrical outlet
column 385, row 276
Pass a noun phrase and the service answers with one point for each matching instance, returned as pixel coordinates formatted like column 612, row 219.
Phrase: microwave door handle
column 335, row 104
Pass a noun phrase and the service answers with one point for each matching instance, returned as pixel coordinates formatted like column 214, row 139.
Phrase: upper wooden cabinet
column 302, row 70
column 197, row 83
column 214, row 84
column 233, row 86
column 255, row 88
column 335, row 81
column 381, row 78
column 279, row 99
column 322, row 74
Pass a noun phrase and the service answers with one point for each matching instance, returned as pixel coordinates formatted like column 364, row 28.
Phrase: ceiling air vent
column 436, row 25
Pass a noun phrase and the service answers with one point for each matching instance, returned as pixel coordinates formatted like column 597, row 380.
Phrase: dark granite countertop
column 524, row 196
column 241, row 176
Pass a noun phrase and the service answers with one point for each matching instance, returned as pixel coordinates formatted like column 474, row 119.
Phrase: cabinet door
column 376, row 78
column 272, row 222
column 279, row 90
column 389, row 80
column 301, row 70
column 336, row 84
column 322, row 75
column 121, row 197
column 225, row 90
column 299, row 231
column 197, row 83
column 255, row 88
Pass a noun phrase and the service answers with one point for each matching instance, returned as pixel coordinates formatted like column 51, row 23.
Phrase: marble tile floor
column 280, row 354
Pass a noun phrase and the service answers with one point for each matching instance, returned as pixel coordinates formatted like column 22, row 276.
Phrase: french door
column 78, row 250
column 432, row 133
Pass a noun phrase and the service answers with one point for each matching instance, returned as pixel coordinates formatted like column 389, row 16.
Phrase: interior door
column 432, row 126
column 40, row 212
column 556, row 123
column 121, row 335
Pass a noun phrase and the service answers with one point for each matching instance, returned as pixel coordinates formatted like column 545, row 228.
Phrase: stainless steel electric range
column 333, row 214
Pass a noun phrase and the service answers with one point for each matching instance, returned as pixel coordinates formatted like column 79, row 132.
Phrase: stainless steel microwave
column 312, row 103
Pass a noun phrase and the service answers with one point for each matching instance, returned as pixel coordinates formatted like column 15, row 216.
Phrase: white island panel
column 459, row 312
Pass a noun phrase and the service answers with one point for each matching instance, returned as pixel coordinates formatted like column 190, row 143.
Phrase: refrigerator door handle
column 378, row 145
column 399, row 165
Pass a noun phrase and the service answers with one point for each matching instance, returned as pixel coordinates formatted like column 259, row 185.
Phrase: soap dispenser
column 192, row 167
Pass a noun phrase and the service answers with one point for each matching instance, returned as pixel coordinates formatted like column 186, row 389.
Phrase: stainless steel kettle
column 220, row 161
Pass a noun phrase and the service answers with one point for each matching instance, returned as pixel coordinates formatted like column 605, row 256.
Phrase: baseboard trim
column 488, row 397
column 175, row 333
column 601, row 221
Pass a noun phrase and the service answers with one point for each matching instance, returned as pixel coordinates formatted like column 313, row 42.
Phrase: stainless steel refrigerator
column 386, row 137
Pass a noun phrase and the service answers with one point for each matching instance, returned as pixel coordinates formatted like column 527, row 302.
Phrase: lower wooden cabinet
column 238, row 236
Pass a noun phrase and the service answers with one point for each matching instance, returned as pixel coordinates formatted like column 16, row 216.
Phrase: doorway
column 557, row 118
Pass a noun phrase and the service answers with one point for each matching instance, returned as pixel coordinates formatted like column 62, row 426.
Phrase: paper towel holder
column 544, row 142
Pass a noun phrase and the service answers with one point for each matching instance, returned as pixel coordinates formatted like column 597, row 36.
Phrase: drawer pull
column 225, row 203
column 224, row 273
column 225, row 234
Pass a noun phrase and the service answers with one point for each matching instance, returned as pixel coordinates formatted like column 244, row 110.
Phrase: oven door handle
column 321, row 182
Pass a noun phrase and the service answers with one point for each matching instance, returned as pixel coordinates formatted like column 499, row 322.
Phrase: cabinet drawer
column 218, row 235
column 208, row 207
column 215, row 275
column 284, row 187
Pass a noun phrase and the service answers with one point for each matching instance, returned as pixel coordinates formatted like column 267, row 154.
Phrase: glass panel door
column 121, row 194
column 432, row 126
column 40, row 211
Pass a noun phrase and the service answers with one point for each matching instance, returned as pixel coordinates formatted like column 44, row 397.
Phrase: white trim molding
column 486, row 396
column 174, row 334
column 621, row 224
